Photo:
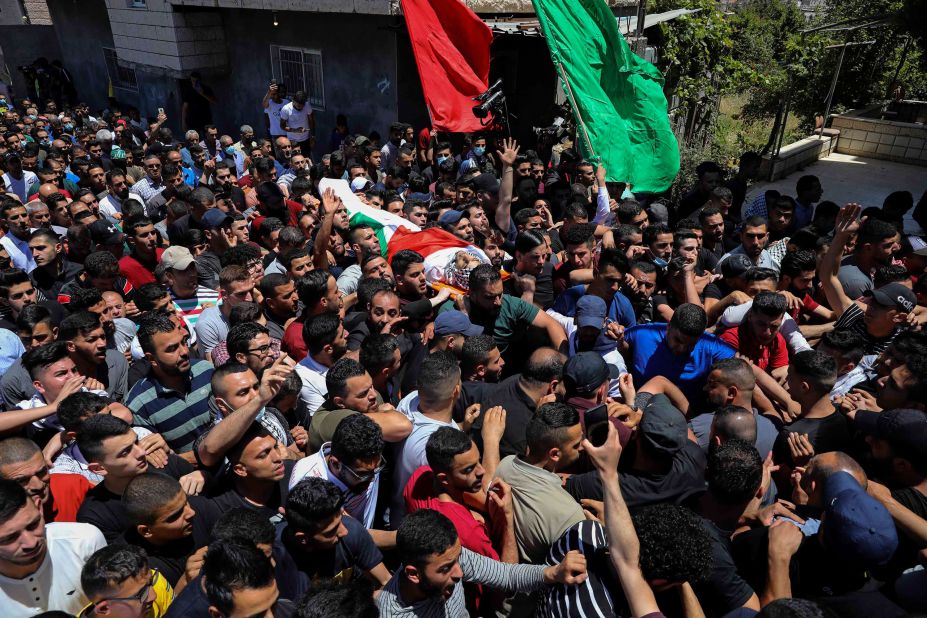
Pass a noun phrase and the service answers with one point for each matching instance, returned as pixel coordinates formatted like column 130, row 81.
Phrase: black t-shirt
column 105, row 510
column 228, row 498
column 296, row 569
column 544, row 284
column 171, row 559
column 906, row 556
column 519, row 409
column 724, row 590
column 831, row 433
column 685, row 477
column 717, row 289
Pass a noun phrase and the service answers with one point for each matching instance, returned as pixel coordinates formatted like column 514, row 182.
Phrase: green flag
column 617, row 96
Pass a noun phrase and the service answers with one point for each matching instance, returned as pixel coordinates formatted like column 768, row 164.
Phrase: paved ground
column 846, row 178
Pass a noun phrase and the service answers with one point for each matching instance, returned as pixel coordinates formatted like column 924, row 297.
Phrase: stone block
column 186, row 48
column 916, row 142
column 884, row 149
column 902, row 141
column 869, row 147
column 886, row 138
column 913, row 153
column 853, row 144
column 898, row 151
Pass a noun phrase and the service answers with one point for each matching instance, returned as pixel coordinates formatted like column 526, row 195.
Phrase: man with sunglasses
column 152, row 184
column 119, row 581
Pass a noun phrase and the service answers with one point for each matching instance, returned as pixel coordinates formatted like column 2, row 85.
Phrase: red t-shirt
column 67, row 494
column 766, row 357
column 419, row 494
column 293, row 343
column 808, row 305
column 137, row 273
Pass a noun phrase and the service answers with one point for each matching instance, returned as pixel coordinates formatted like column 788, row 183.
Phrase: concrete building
column 350, row 56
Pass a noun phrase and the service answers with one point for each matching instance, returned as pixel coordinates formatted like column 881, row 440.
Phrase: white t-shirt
column 21, row 187
column 20, row 254
column 56, row 584
column 314, row 390
column 296, row 119
column 110, row 205
column 273, row 113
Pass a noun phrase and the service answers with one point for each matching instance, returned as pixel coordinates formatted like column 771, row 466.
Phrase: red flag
column 451, row 46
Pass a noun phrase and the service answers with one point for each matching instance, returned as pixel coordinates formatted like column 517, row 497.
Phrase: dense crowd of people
column 227, row 396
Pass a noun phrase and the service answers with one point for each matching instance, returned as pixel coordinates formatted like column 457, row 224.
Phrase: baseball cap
column 451, row 217
column 103, row 232
column 486, row 183
column 735, row 266
column 590, row 311
column 918, row 245
column 361, row 140
column 177, row 257
column 905, row 429
column 214, row 218
column 893, row 295
column 422, row 197
column 856, row 526
column 585, row 372
column 360, row 184
column 663, row 427
column 455, row 322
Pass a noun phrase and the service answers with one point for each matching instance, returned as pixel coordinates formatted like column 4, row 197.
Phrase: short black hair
column 873, row 231
column 270, row 282
column 321, row 330
column 101, row 264
column 110, row 566
column 403, row 259
column 151, row 324
column 244, row 523
column 368, row 287
column 547, row 428
column 476, row 351
column 445, row 444
column 816, row 367
column 95, row 430
column 147, row 295
column 12, row 498
column 770, row 304
column 689, row 319
column 657, row 229
column 84, row 298
column 578, row 234
column 78, row 323
column 644, row 266
column 336, row 599
column 483, row 275
column 528, row 240
column 73, row 408
column 42, row 356
column 312, row 287
column 336, row 379
column 241, row 336
column 735, row 472
column 628, row 210
column 849, row 344
column 356, row 437
column 312, row 502
column 234, row 564
column 791, row 608
column 759, row 273
column 422, row 534
column 797, row 262
column 146, row 495
column 890, row 273
column 31, row 316
column 377, row 352
column 675, row 546
column 240, row 255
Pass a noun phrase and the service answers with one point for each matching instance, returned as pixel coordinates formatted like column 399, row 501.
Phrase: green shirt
column 515, row 315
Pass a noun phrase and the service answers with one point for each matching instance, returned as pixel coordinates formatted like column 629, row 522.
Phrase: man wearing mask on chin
column 477, row 156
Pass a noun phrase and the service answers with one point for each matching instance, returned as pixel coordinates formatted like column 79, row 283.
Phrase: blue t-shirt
column 619, row 310
column 650, row 357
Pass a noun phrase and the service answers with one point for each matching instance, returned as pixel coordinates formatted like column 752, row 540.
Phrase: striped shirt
column 178, row 417
column 598, row 595
column 854, row 320
column 192, row 307
column 508, row 578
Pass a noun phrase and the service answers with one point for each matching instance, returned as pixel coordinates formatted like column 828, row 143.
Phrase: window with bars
column 121, row 75
column 299, row 69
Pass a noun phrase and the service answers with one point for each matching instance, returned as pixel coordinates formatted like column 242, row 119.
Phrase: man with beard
column 119, row 332
column 182, row 279
column 58, row 495
column 139, row 266
column 249, row 343
column 753, row 240
column 86, row 342
column 29, row 551
column 503, row 316
column 797, row 284
column 280, row 302
column 532, row 272
column 173, row 399
column 877, row 242
column 52, row 269
column 326, row 342
column 15, row 223
column 758, row 338
column 363, row 242
column 608, row 278
column 457, row 223
column 118, row 192
column 480, row 360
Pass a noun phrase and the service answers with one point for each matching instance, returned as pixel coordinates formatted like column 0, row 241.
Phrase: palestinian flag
column 439, row 248
column 385, row 224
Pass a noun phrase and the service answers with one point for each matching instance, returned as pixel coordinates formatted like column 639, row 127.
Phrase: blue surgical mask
column 230, row 150
column 479, row 150
column 68, row 127
column 442, row 159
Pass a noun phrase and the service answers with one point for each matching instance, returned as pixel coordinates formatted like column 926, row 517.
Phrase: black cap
column 894, row 295
column 586, row 372
column 663, row 427
column 105, row 233
column 735, row 266
column 904, row 429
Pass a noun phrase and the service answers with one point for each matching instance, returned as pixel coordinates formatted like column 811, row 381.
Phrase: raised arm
column 602, row 198
column 323, row 237
column 555, row 332
column 846, row 225
column 507, row 155
column 623, row 544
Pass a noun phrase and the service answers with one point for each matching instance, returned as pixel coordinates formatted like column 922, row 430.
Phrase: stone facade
column 882, row 139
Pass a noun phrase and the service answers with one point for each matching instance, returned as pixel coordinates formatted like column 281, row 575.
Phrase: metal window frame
column 116, row 80
column 137, row 4
column 315, row 91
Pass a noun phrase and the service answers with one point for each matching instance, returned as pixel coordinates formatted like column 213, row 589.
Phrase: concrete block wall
column 175, row 42
column 882, row 139
column 800, row 154
column 37, row 10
